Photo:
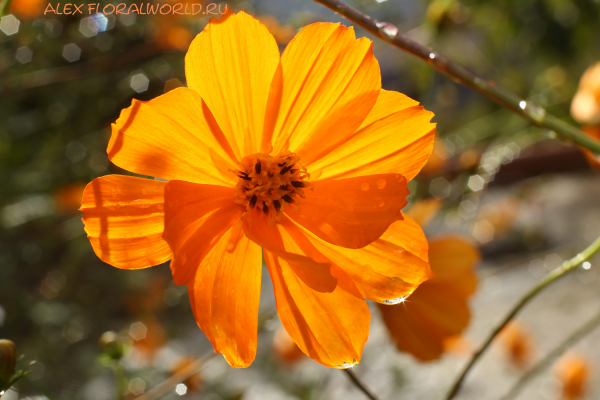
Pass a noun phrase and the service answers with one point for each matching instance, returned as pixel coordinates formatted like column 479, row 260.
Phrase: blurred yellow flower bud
column 8, row 362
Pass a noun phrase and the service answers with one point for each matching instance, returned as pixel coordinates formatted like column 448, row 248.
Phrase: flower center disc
column 270, row 183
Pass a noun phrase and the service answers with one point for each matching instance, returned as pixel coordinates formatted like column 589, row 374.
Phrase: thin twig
column 462, row 75
column 579, row 334
column 552, row 276
column 186, row 373
column 359, row 384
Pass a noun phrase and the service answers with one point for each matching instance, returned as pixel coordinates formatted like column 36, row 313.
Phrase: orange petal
column 352, row 212
column 439, row 307
column 173, row 136
column 286, row 240
column 196, row 217
column 330, row 82
column 124, row 220
column 329, row 327
column 396, row 137
column 231, row 64
column 224, row 294
column 391, row 267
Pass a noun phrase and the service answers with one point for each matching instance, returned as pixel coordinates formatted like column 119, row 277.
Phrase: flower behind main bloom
column 303, row 155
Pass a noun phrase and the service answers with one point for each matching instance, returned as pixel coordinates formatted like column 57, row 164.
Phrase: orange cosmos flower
column 303, row 155
column 438, row 310
column 574, row 372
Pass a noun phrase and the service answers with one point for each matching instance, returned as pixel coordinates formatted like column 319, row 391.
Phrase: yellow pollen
column 270, row 183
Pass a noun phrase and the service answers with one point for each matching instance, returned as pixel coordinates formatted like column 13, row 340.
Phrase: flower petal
column 391, row 267
column 225, row 294
column 173, row 136
column 124, row 220
column 196, row 217
column 286, row 240
column 231, row 64
column 352, row 212
column 439, row 308
column 330, row 82
column 396, row 137
column 329, row 327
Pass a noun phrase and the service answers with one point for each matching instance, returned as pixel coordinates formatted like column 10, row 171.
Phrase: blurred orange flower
column 28, row 9
column 153, row 339
column 585, row 107
column 238, row 149
column 424, row 210
column 285, row 349
column 574, row 372
column 438, row 309
column 517, row 344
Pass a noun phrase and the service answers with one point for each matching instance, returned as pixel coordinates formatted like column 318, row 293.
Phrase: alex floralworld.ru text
column 141, row 9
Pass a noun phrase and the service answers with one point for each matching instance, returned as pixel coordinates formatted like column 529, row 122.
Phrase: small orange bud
column 8, row 361
column 517, row 343
column 574, row 372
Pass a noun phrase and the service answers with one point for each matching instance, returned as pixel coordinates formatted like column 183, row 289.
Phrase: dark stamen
column 277, row 205
column 284, row 187
column 288, row 199
column 285, row 169
column 271, row 174
column 253, row 201
column 293, row 171
column 297, row 184
column 245, row 177
column 265, row 208
column 258, row 167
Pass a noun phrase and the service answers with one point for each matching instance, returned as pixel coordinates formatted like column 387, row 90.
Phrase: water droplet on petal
column 347, row 365
column 365, row 187
column 394, row 301
column 522, row 104
column 381, row 183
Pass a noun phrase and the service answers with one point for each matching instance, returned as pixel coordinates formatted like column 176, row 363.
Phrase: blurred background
column 527, row 200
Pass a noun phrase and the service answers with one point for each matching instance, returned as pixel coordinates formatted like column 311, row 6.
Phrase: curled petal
column 352, row 212
column 124, row 220
column 390, row 268
column 196, row 217
column 329, row 327
column 224, row 294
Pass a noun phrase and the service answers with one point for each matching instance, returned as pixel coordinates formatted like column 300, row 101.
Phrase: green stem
column 4, row 6
column 552, row 276
column 579, row 334
column 121, row 383
column 359, row 384
column 535, row 114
